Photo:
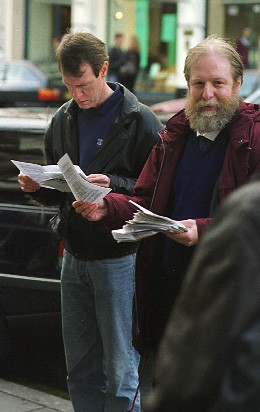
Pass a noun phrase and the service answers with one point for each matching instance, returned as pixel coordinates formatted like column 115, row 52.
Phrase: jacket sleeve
column 202, row 225
column 254, row 156
column 120, row 209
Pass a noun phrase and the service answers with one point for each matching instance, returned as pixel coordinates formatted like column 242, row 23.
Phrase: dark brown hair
column 78, row 48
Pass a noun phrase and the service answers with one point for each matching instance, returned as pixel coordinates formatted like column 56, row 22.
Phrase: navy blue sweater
column 192, row 192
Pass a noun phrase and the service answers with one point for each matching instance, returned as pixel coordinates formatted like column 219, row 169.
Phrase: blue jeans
column 102, row 365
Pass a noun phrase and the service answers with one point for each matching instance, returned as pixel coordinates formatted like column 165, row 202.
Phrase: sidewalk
column 17, row 398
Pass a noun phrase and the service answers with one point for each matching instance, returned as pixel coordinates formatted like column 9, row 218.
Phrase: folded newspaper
column 146, row 223
column 64, row 177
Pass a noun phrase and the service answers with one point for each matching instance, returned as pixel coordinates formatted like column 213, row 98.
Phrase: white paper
column 79, row 186
column 144, row 224
column 49, row 176
column 64, row 177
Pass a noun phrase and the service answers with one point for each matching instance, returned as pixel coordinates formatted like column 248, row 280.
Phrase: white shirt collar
column 209, row 135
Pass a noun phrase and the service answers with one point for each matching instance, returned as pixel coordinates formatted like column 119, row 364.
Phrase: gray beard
column 208, row 122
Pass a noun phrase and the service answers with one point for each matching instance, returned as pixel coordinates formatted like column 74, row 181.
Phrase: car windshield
column 51, row 71
column 19, row 71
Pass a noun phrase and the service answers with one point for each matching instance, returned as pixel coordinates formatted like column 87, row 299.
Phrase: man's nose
column 76, row 92
column 208, row 92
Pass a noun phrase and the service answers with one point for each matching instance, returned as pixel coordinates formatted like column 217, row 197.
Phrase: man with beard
column 204, row 153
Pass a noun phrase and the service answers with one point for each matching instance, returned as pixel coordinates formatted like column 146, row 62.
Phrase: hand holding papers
column 80, row 187
column 64, row 177
column 146, row 223
column 49, row 176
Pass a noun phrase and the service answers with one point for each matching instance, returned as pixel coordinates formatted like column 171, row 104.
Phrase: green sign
column 168, row 31
column 168, row 35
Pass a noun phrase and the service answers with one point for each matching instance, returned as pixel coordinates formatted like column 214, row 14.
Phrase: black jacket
column 209, row 359
column 121, row 157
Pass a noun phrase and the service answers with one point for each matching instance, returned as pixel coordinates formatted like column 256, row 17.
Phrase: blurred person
column 116, row 58
column 109, row 134
column 209, row 358
column 128, row 72
column 55, row 44
column 243, row 46
column 204, row 153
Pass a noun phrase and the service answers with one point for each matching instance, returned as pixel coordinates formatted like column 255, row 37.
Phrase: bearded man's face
column 212, row 97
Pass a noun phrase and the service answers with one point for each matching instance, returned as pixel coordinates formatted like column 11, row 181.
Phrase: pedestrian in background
column 209, row 359
column 205, row 152
column 243, row 46
column 109, row 134
column 128, row 72
column 116, row 58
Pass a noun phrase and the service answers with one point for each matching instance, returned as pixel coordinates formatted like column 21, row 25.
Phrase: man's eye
column 85, row 86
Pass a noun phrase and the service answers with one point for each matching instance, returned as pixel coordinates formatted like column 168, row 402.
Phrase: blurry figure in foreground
column 243, row 46
column 129, row 71
column 209, row 359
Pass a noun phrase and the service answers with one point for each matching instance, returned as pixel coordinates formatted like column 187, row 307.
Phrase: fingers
column 189, row 238
column 99, row 179
column 93, row 212
column 85, row 209
column 27, row 184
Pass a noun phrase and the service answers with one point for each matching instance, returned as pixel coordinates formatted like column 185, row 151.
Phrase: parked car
column 30, row 255
column 251, row 82
column 24, row 83
column 254, row 97
column 164, row 110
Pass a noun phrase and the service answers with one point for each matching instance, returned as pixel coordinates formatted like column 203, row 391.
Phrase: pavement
column 18, row 398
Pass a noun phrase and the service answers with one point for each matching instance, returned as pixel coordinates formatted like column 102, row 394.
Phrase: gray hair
column 220, row 46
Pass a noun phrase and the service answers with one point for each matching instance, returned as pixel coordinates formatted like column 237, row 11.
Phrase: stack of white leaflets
column 146, row 223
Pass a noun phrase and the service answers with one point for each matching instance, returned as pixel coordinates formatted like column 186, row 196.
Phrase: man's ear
column 104, row 69
column 238, row 83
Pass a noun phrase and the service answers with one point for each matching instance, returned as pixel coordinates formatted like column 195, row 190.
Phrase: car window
column 24, row 146
column 251, row 82
column 254, row 97
column 52, row 72
column 2, row 70
column 18, row 72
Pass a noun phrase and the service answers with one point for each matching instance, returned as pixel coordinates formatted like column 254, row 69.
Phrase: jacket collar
column 178, row 127
column 130, row 106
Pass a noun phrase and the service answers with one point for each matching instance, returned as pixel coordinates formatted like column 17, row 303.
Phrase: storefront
column 242, row 14
column 154, row 22
column 165, row 30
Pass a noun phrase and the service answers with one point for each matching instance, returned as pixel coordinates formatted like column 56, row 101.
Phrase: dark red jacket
column 153, row 188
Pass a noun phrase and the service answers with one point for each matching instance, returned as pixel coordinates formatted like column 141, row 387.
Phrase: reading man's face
column 88, row 91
